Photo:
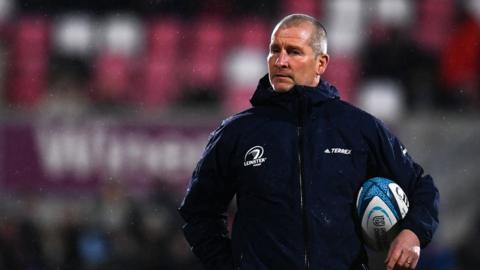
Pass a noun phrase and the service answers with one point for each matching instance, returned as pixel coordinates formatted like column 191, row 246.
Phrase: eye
column 295, row 52
column 274, row 49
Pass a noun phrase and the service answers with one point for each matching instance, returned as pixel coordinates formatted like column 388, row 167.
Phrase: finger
column 404, row 260
column 414, row 264
column 412, row 258
column 390, row 253
column 414, row 261
column 411, row 263
column 392, row 261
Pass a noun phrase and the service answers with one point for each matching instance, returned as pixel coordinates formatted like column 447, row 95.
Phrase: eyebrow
column 274, row 45
column 293, row 47
column 288, row 47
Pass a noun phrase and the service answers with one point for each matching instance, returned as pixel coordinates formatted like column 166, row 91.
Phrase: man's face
column 292, row 60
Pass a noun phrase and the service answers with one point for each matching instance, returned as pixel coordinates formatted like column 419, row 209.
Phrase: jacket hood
column 265, row 95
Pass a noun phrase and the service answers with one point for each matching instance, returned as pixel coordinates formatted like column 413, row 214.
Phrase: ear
column 322, row 63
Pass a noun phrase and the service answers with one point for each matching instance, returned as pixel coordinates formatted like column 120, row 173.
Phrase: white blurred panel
column 383, row 99
column 73, row 34
column 122, row 34
column 345, row 21
column 6, row 9
column 394, row 12
column 244, row 67
column 474, row 7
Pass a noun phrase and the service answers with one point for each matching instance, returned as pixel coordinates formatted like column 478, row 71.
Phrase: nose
column 282, row 60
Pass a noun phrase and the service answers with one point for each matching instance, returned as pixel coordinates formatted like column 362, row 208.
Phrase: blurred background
column 105, row 107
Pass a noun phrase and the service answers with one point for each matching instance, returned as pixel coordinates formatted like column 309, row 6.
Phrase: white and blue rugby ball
column 381, row 204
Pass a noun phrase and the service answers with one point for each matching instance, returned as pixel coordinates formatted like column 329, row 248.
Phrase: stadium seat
column 434, row 19
column 460, row 61
column 251, row 32
column 29, row 61
column 163, row 38
column 121, row 34
column 343, row 72
column 157, row 85
column 203, row 58
column 345, row 37
column 111, row 77
column 73, row 35
column 310, row 7
column 244, row 63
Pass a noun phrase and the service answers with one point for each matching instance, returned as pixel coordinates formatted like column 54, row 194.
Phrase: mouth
column 281, row 76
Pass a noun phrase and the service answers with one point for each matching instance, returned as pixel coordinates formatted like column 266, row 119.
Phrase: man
column 295, row 195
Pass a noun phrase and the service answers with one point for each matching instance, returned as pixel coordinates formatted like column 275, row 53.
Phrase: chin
column 282, row 87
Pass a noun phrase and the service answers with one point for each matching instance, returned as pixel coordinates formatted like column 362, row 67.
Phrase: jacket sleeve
column 391, row 160
column 206, row 202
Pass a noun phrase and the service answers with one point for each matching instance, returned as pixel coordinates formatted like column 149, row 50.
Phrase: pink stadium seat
column 209, row 33
column 205, row 69
column 201, row 65
column 460, row 61
column 163, row 38
column 112, row 77
column 252, row 31
column 29, row 60
column 237, row 99
column 343, row 73
column 157, row 84
column 310, row 7
column 31, row 37
column 251, row 38
column 207, row 48
column 433, row 23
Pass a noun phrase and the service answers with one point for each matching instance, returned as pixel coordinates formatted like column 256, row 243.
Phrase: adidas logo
column 338, row 151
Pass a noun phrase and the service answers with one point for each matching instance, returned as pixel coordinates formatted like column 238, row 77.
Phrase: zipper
column 302, row 185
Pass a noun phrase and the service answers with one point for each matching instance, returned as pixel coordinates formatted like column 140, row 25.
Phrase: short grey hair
column 318, row 40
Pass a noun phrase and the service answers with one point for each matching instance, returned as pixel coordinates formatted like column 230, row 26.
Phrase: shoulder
column 342, row 112
column 348, row 118
column 243, row 119
column 240, row 117
column 233, row 125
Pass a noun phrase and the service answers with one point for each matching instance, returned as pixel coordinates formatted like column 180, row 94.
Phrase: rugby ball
column 381, row 205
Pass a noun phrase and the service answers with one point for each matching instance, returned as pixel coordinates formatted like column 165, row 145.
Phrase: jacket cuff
column 425, row 236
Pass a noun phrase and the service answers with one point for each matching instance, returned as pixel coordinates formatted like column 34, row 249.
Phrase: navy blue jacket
column 295, row 162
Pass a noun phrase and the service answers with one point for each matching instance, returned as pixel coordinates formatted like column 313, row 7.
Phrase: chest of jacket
column 271, row 157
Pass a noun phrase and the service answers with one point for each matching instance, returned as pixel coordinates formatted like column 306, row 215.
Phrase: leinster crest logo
column 254, row 157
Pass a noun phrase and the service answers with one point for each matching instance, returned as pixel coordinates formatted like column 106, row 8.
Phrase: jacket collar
column 265, row 95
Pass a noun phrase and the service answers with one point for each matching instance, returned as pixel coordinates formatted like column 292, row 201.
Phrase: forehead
column 292, row 34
